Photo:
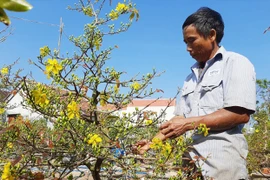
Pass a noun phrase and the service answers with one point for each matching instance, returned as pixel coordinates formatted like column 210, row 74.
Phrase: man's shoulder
column 233, row 57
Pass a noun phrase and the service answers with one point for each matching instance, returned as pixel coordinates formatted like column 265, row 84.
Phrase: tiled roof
column 152, row 102
column 143, row 103
column 3, row 95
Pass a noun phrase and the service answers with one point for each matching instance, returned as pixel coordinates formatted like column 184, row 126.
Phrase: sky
column 154, row 41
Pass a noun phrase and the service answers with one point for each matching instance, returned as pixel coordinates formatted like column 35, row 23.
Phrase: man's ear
column 213, row 35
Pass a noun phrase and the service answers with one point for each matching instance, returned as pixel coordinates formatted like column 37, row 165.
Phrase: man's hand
column 174, row 127
column 141, row 147
column 144, row 145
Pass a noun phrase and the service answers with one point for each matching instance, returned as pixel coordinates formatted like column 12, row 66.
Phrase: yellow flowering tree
column 80, row 103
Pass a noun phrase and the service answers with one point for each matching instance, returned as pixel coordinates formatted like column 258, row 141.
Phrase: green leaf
column 15, row 5
column 3, row 17
column 131, row 16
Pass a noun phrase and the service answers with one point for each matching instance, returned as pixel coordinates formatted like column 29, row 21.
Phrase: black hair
column 205, row 19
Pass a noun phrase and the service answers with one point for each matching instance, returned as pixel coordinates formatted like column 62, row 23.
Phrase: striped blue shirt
column 227, row 80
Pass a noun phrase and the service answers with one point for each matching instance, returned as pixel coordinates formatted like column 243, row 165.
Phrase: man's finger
column 165, row 125
column 141, row 142
column 170, row 135
column 165, row 131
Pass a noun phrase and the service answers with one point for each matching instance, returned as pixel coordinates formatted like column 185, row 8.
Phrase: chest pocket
column 212, row 92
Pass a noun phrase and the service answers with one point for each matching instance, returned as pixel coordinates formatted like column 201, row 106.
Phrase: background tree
column 259, row 143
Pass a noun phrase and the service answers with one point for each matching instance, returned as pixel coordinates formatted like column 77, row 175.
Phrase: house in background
column 15, row 108
column 154, row 105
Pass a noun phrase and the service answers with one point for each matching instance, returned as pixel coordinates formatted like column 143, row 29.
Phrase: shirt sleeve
column 239, row 83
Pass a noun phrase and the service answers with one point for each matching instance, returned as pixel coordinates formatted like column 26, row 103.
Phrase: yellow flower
column 6, row 175
column 156, row 143
column 257, row 130
column 73, row 110
column 121, row 7
column 94, row 140
column 203, row 129
column 136, row 86
column 113, row 15
column 9, row 145
column 4, row 71
column 44, row 51
column 2, row 110
column 53, row 66
column 148, row 122
column 43, row 99
column 166, row 149
column 40, row 98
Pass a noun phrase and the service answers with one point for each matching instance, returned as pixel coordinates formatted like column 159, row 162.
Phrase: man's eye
column 190, row 40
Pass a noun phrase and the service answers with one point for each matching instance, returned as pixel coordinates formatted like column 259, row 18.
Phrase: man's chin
column 198, row 60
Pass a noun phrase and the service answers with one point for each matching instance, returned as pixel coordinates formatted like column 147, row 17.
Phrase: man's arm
column 220, row 120
column 144, row 145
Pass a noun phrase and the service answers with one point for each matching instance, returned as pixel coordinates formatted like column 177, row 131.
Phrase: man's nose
column 189, row 48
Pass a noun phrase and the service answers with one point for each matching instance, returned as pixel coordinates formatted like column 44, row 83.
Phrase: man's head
column 203, row 31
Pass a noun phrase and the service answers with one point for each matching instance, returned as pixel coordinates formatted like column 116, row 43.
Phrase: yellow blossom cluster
column 9, row 145
column 114, row 15
column 40, row 97
column 4, row 71
column 148, row 122
column 120, row 8
column 202, row 129
column 44, row 51
column 158, row 145
column 136, row 86
column 166, row 149
column 73, row 110
column 94, row 140
column 6, row 175
column 2, row 110
column 52, row 66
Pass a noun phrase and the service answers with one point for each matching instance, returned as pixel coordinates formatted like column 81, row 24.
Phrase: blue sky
column 155, row 41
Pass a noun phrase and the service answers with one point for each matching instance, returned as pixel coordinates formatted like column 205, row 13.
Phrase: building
column 15, row 107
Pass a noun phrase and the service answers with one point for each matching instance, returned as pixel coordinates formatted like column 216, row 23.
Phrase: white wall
column 15, row 107
column 168, row 113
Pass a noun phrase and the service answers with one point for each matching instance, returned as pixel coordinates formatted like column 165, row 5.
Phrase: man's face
column 199, row 47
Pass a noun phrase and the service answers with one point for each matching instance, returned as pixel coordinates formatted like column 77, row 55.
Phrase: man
column 220, row 92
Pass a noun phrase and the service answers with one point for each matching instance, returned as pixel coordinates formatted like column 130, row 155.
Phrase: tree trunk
column 95, row 172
